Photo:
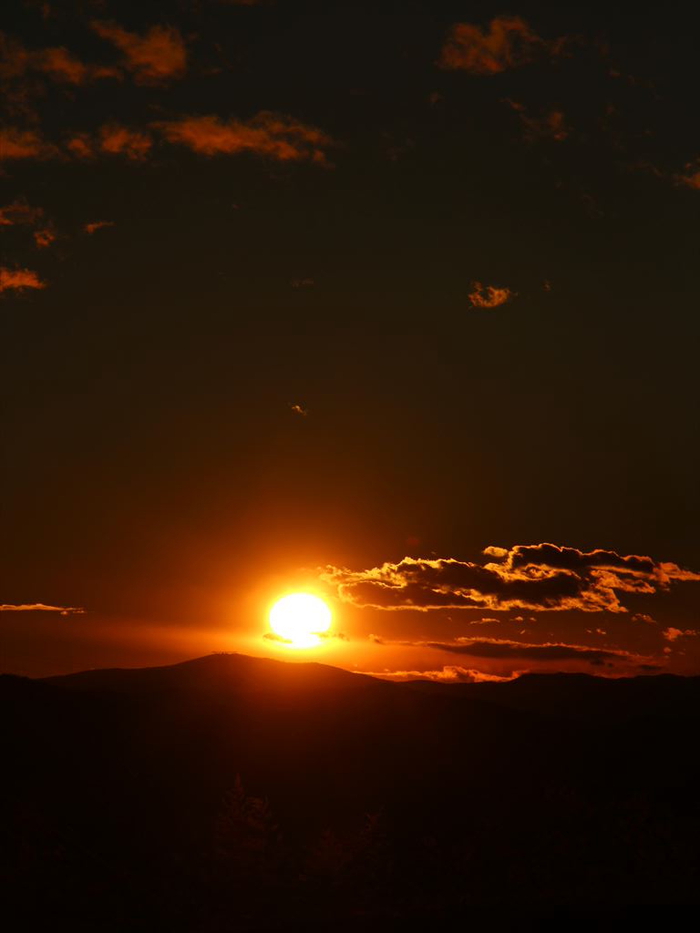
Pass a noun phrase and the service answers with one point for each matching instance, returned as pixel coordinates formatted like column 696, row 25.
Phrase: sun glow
column 300, row 620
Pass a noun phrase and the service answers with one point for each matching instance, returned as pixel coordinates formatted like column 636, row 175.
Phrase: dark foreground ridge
column 232, row 792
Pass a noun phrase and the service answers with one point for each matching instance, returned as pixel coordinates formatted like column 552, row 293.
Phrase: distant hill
column 231, row 788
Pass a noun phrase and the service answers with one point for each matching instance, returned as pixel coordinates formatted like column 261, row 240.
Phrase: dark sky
column 289, row 286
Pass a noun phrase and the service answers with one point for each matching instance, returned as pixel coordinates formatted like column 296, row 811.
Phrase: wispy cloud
column 56, row 63
column 96, row 225
column 157, row 56
column 509, row 42
column 18, row 143
column 274, row 135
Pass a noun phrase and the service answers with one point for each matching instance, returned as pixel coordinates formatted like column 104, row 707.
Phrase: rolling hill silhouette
column 231, row 791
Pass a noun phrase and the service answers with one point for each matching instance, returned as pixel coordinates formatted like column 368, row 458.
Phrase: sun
column 300, row 620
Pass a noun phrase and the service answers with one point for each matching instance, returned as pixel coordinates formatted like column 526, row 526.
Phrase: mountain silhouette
column 238, row 792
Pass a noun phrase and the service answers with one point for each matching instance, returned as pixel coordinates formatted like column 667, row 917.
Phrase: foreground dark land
column 239, row 793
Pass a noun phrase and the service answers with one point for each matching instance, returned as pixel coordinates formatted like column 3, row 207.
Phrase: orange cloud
column 19, row 279
column 81, row 146
column 673, row 634
column 508, row 43
column 157, row 56
column 118, row 140
column 97, row 225
column 274, row 135
column 489, row 296
column 44, row 237
column 23, row 144
column 19, row 212
column 691, row 177
column 112, row 139
column 40, row 607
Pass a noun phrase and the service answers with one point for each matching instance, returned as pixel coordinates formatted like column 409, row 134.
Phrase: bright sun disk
column 300, row 619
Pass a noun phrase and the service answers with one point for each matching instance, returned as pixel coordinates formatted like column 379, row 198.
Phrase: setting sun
column 300, row 620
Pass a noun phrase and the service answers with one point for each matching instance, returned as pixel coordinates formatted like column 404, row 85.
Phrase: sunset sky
column 396, row 304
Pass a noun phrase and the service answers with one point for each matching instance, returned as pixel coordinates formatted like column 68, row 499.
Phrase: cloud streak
column 274, row 135
column 449, row 674
column 41, row 607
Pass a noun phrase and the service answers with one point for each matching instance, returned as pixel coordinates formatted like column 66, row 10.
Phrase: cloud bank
column 540, row 577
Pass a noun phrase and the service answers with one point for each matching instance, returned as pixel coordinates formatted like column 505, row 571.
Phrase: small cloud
column 44, row 237
column 19, row 280
column 96, row 225
column 302, row 283
column 157, row 56
column 507, row 43
column 41, row 607
column 299, row 410
column 673, row 634
column 489, row 296
column 550, row 125
column 644, row 617
column 24, row 144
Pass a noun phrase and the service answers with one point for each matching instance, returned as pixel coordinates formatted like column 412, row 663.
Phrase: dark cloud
column 537, row 577
column 506, row 649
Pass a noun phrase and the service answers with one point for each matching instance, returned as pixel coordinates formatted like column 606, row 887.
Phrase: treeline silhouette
column 239, row 793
